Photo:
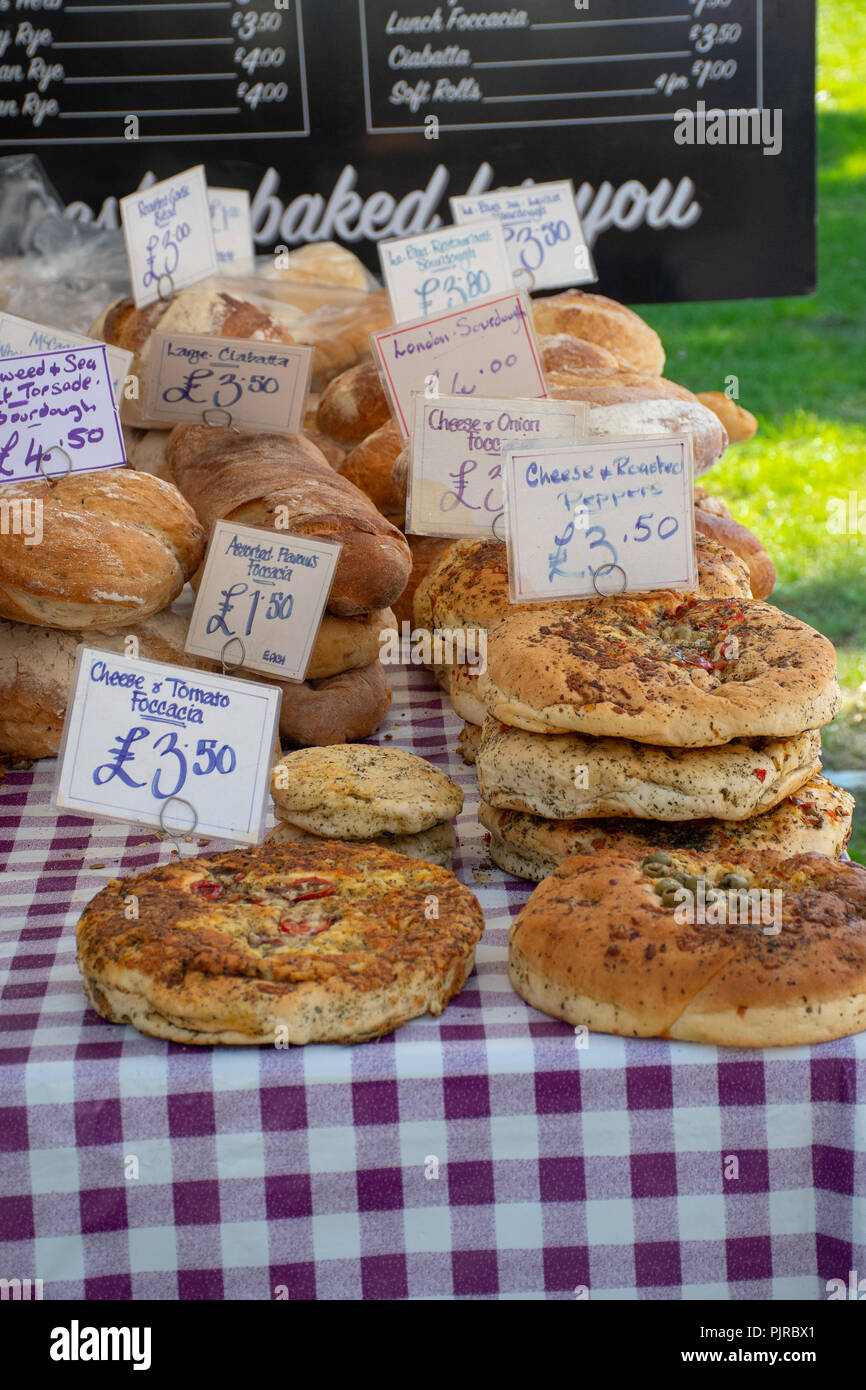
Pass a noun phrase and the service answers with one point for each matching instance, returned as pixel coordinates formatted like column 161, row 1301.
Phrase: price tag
column 261, row 599
column 489, row 349
column 140, row 733
column 455, row 477
column 620, row 511
column 232, row 228
column 18, row 337
column 169, row 237
column 445, row 269
column 542, row 229
column 260, row 385
column 58, row 414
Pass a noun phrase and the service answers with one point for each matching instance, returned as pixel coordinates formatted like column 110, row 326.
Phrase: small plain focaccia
column 816, row 819
column 355, row 791
column 434, row 846
column 326, row 942
column 598, row 944
column 267, row 479
column 568, row 776
column 36, row 666
column 685, row 675
column 116, row 546
column 597, row 319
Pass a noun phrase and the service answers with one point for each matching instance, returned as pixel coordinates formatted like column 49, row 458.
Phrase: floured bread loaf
column 338, row 709
column 116, row 545
column 816, row 819
column 603, row 321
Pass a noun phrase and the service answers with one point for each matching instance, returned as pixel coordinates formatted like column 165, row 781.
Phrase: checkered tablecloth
column 480, row 1155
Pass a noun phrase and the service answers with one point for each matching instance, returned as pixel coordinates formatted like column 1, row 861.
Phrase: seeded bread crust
column 654, row 670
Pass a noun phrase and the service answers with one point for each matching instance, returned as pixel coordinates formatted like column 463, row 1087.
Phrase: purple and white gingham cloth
column 480, row 1155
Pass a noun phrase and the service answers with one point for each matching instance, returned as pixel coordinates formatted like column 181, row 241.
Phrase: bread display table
column 492, row 1152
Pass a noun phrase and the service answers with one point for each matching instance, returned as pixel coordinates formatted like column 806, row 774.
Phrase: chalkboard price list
column 487, row 65
column 73, row 72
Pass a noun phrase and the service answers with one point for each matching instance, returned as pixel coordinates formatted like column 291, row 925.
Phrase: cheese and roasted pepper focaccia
column 328, row 942
column 686, row 674
column 746, row 949
column 816, row 819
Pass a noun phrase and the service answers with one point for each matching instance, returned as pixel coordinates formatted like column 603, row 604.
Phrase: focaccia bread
column 116, row 546
column 571, row 776
column 356, row 791
column 326, row 942
column 684, row 674
column 467, row 587
column 606, row 942
column 282, row 482
column 597, row 319
column 816, row 819
column 434, row 846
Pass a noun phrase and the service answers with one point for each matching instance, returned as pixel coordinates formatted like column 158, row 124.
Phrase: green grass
column 801, row 365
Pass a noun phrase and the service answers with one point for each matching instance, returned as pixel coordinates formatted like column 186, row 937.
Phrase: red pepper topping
column 303, row 928
column 238, row 877
column 207, row 889
column 306, row 888
column 760, row 774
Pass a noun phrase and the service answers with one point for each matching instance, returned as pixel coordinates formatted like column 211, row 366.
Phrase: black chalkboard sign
column 355, row 120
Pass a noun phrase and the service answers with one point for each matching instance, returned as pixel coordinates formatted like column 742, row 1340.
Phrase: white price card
column 486, row 350
column 58, row 414
column 611, row 516
column 458, row 444
column 445, row 269
column 169, row 236
column 543, row 234
column 261, row 599
column 18, row 337
column 232, row 228
column 141, row 734
column 256, row 385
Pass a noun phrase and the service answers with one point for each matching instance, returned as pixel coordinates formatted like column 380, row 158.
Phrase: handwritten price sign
column 543, row 235
column 169, row 236
column 260, row 385
column 53, row 401
column 139, row 733
column 488, row 350
column 619, row 511
column 21, row 337
column 455, row 480
column 261, row 599
column 232, row 228
column 445, row 269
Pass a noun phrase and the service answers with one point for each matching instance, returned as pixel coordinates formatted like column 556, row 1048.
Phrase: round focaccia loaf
column 434, row 846
column 354, row 791
column 353, row 405
column 816, row 819
column 467, row 587
column 326, row 942
column 713, row 519
column 656, row 670
column 36, row 668
column 597, row 319
column 597, row 945
column 116, row 546
column 462, row 685
column 569, row 776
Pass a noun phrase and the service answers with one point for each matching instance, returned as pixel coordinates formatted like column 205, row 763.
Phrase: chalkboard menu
column 355, row 120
